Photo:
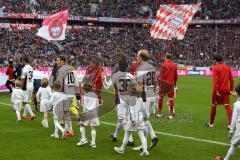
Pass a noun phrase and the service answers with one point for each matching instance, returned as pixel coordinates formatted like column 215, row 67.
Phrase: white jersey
column 146, row 74
column 120, row 80
column 236, row 115
column 27, row 74
column 57, row 98
column 67, row 76
column 44, row 93
column 90, row 101
column 17, row 95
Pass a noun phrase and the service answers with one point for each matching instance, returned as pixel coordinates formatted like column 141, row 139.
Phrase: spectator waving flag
column 54, row 27
column 172, row 21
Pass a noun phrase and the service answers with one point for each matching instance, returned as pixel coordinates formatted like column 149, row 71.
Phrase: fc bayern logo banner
column 54, row 27
column 172, row 21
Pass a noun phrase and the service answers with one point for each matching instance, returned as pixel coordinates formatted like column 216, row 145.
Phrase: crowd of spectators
column 210, row 9
column 197, row 48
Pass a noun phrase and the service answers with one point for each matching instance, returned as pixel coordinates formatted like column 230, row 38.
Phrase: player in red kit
column 134, row 66
column 97, row 79
column 222, row 88
column 168, row 75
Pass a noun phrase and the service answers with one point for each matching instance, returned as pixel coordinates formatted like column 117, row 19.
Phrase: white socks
column 150, row 130
column 18, row 115
column 45, row 123
column 27, row 109
column 118, row 128
column 125, row 140
column 83, row 132
column 93, row 133
column 143, row 140
column 57, row 126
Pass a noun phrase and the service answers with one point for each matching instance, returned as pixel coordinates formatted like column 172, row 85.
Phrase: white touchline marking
column 180, row 136
column 167, row 134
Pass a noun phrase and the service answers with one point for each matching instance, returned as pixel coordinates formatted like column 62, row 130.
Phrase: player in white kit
column 135, row 119
column 27, row 87
column 17, row 99
column 146, row 78
column 67, row 77
column 120, row 80
column 43, row 95
column 234, row 131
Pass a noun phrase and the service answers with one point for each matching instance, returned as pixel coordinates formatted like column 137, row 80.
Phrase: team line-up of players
column 137, row 88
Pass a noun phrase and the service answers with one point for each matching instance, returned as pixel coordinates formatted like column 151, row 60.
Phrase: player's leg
column 67, row 118
column 83, row 139
column 121, row 149
column 58, row 127
column 93, row 134
column 17, row 108
column 231, row 151
column 45, row 119
column 226, row 102
column 27, row 105
column 160, row 106
column 171, row 103
column 8, row 86
column 148, row 105
column 213, row 112
column 144, row 143
column 120, row 117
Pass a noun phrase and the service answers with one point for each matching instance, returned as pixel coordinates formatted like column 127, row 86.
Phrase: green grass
column 28, row 140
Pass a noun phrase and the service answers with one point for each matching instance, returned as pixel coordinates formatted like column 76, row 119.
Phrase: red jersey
column 97, row 78
column 168, row 72
column 222, row 79
column 10, row 73
column 133, row 68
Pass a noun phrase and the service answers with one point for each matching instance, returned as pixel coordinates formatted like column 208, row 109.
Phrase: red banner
column 23, row 15
column 23, row 26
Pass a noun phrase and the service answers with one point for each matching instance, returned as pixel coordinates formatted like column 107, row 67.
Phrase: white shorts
column 27, row 95
column 121, row 111
column 44, row 105
column 149, row 105
column 93, row 122
column 17, row 105
column 139, row 123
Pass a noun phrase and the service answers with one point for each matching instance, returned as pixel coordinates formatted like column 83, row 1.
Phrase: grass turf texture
column 27, row 140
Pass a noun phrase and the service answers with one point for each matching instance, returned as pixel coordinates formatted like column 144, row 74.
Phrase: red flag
column 172, row 21
column 54, row 26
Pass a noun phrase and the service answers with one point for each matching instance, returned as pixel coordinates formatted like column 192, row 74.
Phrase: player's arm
column 52, row 99
column 23, row 77
column 231, row 80
column 175, row 76
column 107, row 84
column 215, row 81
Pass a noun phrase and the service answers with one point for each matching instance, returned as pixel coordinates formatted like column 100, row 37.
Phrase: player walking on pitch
column 120, row 80
column 27, row 86
column 146, row 78
column 69, row 86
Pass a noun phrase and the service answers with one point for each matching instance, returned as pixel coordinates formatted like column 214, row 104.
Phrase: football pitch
column 185, row 138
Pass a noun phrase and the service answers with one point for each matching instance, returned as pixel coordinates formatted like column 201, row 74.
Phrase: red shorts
column 223, row 99
column 170, row 94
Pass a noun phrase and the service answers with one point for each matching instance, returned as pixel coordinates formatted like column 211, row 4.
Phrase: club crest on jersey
column 56, row 28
